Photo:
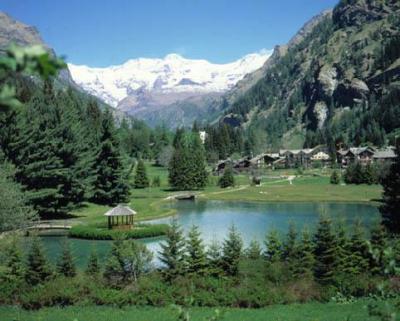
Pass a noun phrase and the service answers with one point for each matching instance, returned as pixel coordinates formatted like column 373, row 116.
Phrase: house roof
column 120, row 210
column 386, row 153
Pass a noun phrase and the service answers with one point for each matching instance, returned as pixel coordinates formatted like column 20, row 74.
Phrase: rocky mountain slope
column 336, row 82
column 173, row 90
column 21, row 34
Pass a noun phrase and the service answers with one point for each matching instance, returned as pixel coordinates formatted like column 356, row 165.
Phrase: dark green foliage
column 335, row 177
column 173, row 252
column 273, row 245
column 227, row 179
column 343, row 250
column 325, row 251
column 65, row 264
column 253, row 252
column 377, row 246
column 109, row 186
column 305, row 259
column 390, row 209
column 141, row 180
column 232, row 252
column 93, row 265
column 37, row 268
column 15, row 212
column 127, row 261
column 358, row 250
column 214, row 258
column 196, row 255
column 187, row 169
column 101, row 232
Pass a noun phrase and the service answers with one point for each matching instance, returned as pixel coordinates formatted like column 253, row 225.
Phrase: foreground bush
column 102, row 233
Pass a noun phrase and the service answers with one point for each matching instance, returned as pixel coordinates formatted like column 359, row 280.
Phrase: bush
column 335, row 177
column 227, row 178
column 156, row 182
column 91, row 232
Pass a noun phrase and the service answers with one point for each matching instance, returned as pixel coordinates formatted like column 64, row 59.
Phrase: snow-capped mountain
column 172, row 74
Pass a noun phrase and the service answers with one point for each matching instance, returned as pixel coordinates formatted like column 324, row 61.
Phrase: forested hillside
column 337, row 84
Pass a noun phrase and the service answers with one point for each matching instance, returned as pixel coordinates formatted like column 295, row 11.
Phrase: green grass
column 312, row 186
column 355, row 311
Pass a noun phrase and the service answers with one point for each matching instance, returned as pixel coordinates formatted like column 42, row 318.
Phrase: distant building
column 364, row 155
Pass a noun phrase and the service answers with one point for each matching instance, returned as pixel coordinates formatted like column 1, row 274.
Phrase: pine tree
column 214, row 258
column 196, row 256
column 305, row 256
column 231, row 252
column 13, row 263
column 173, row 253
column 109, row 186
column 390, row 209
column 65, row 264
column 253, row 252
column 199, row 173
column 141, row 180
column 343, row 258
column 377, row 246
column 37, row 268
column 273, row 245
column 227, row 179
column 93, row 266
column 325, row 251
column 289, row 246
column 358, row 249
column 335, row 178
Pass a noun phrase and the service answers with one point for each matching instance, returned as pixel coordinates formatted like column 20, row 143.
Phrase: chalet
column 222, row 165
column 264, row 160
column 387, row 155
column 364, row 155
column 242, row 164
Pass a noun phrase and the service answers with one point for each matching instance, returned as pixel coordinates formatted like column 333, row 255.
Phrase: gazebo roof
column 121, row 210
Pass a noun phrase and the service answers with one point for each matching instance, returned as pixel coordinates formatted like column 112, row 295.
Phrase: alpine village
column 269, row 190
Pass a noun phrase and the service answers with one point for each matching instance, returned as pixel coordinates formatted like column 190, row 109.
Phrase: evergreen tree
column 141, row 180
column 325, row 251
column 37, row 268
column 198, row 163
column 231, row 252
column 109, row 186
column 290, row 244
column 93, row 266
column 343, row 262
column 335, row 177
column 377, row 246
column 13, row 263
column 65, row 264
column 179, row 169
column 173, row 254
column 305, row 256
column 390, row 209
column 273, row 245
column 253, row 252
column 214, row 258
column 196, row 256
column 227, row 179
column 358, row 249
column 156, row 182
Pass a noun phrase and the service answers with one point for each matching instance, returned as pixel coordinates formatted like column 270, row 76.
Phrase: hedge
column 140, row 231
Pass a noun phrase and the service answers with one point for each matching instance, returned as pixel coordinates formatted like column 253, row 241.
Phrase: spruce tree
column 13, row 263
column 214, row 258
column 227, row 179
column 377, row 246
column 343, row 262
column 273, row 247
column 109, row 186
column 93, row 266
column 196, row 256
column 231, row 252
column 37, row 268
column 289, row 246
column 253, row 252
column 358, row 249
column 199, row 173
column 305, row 256
column 390, row 209
column 325, row 251
column 173, row 252
column 141, row 180
column 65, row 264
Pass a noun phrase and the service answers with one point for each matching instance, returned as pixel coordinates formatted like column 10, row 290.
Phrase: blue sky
column 102, row 33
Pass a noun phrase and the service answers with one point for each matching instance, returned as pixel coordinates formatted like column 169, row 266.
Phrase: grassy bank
column 310, row 186
column 356, row 311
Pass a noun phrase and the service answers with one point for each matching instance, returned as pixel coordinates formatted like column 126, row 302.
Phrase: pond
column 253, row 220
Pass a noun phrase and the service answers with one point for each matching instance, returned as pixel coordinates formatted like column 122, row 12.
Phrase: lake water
column 253, row 220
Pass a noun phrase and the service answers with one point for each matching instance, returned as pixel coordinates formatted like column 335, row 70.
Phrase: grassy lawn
column 355, row 311
column 310, row 186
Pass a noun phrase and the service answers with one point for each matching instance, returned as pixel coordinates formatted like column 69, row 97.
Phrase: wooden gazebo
column 121, row 215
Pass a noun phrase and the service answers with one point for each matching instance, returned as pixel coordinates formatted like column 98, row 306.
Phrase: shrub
column 227, row 178
column 335, row 178
column 91, row 232
column 156, row 182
